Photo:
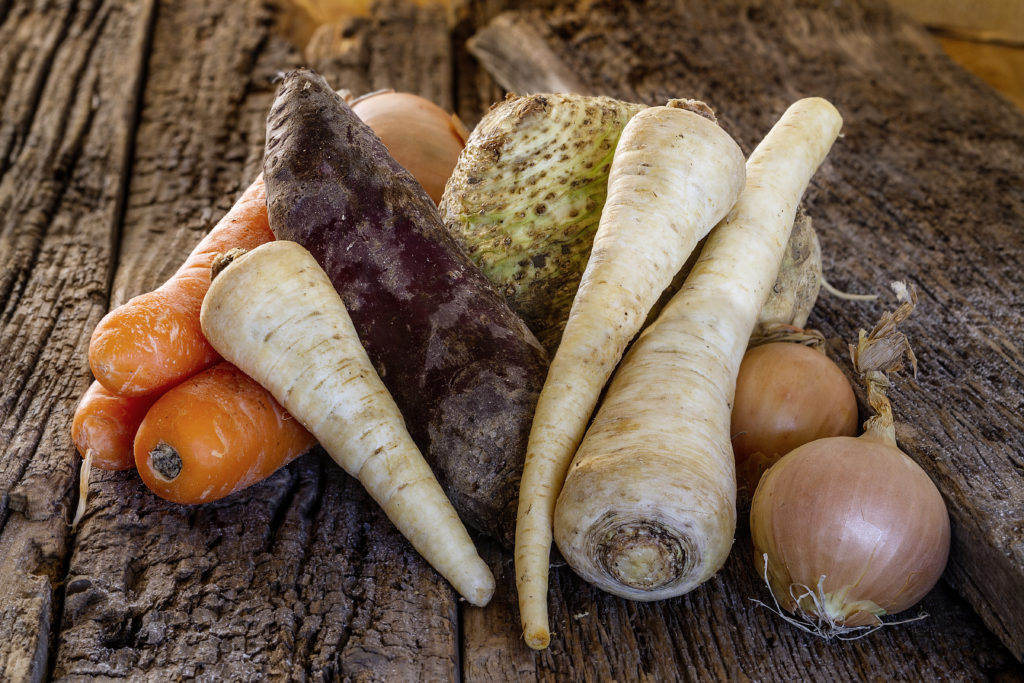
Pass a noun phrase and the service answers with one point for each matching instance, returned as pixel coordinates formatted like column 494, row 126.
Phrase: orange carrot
column 105, row 424
column 154, row 341
column 215, row 433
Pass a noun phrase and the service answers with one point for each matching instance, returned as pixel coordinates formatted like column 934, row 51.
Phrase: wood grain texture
column 717, row 633
column 476, row 89
column 199, row 143
column 68, row 81
column 927, row 185
column 300, row 577
column 400, row 46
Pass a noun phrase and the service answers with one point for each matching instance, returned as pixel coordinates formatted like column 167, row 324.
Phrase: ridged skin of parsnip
column 275, row 314
column 526, row 196
column 674, row 176
column 658, row 451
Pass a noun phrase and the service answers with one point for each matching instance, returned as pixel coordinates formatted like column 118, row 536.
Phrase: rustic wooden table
column 128, row 128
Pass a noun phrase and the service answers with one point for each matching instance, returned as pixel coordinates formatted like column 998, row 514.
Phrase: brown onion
column 421, row 136
column 787, row 394
column 847, row 529
column 852, row 529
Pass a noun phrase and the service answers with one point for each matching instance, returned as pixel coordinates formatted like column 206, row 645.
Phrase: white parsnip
column 648, row 508
column 274, row 313
column 675, row 173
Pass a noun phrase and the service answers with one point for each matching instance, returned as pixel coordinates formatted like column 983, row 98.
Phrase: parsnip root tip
column 537, row 638
column 483, row 594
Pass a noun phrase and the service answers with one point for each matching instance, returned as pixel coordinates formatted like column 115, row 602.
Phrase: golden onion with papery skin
column 787, row 394
column 851, row 529
column 848, row 529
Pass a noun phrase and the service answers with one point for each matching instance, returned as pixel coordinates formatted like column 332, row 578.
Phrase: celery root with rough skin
column 525, row 198
column 674, row 175
column 274, row 313
column 648, row 508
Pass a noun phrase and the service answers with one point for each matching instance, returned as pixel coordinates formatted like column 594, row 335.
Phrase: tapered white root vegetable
column 648, row 509
column 274, row 313
column 674, row 175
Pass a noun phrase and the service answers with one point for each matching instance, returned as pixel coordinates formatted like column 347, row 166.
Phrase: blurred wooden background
column 985, row 36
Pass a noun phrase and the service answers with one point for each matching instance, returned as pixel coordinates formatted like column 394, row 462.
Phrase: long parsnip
column 274, row 313
column 648, row 509
column 674, row 175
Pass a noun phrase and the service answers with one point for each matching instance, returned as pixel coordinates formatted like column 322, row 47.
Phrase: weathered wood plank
column 70, row 75
column 476, row 89
column 300, row 577
column 716, row 633
column 927, row 185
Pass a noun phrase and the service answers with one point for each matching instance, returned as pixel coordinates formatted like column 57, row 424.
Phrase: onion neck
column 879, row 353
column 880, row 425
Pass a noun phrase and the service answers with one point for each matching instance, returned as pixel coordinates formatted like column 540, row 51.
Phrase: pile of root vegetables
column 586, row 332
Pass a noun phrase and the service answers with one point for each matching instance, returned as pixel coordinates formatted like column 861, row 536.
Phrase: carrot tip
column 165, row 461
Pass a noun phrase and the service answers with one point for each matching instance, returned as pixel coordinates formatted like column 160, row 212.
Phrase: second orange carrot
column 214, row 434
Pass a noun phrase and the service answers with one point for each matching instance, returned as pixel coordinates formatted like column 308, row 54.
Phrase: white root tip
column 846, row 296
column 83, row 488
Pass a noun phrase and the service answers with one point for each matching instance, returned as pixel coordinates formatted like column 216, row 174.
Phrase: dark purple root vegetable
column 462, row 367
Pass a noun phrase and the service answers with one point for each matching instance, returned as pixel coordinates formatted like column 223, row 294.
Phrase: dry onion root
column 846, row 529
